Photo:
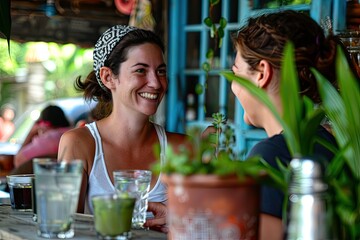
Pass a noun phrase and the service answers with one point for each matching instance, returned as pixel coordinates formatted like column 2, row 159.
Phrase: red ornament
column 124, row 6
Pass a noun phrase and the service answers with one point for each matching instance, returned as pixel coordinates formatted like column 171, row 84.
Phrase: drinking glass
column 135, row 183
column 57, row 193
column 20, row 191
column 113, row 216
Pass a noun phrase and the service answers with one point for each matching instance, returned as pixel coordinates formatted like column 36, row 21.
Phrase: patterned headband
column 104, row 46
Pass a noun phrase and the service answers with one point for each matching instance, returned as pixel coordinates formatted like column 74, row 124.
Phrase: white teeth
column 149, row 95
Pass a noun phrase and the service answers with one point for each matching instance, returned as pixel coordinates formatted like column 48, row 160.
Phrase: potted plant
column 300, row 120
column 212, row 193
column 343, row 174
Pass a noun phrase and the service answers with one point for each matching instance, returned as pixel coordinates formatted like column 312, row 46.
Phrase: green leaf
column 350, row 93
column 343, row 110
column 220, row 42
column 223, row 22
column 220, row 32
column 214, row 2
column 291, row 102
column 334, row 107
column 206, row 66
column 208, row 22
column 210, row 53
column 199, row 89
column 278, row 177
column 5, row 20
column 309, row 127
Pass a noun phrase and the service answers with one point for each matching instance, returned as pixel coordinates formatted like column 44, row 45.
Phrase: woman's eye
column 162, row 72
column 141, row 70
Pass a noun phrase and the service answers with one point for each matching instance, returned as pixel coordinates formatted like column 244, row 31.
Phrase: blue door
column 188, row 42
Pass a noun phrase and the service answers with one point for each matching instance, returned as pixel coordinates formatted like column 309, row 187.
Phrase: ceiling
column 65, row 21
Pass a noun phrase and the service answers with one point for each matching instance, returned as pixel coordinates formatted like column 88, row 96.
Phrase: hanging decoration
column 141, row 15
column 125, row 6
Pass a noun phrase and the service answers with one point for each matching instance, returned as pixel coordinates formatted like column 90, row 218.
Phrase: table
column 17, row 225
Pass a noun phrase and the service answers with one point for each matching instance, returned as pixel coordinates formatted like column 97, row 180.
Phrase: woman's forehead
column 145, row 52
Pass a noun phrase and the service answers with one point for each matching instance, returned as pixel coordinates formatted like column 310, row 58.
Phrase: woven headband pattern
column 104, row 46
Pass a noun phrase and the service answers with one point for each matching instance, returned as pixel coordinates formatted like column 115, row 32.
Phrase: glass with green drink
column 113, row 216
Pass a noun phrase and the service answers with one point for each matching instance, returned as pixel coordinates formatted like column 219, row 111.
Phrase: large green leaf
column 291, row 102
column 5, row 20
column 350, row 93
column 343, row 110
column 309, row 127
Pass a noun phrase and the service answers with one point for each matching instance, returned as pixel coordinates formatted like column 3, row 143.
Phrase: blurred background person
column 88, row 117
column 44, row 137
column 7, row 126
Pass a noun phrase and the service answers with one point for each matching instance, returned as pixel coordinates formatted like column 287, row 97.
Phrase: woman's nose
column 154, row 81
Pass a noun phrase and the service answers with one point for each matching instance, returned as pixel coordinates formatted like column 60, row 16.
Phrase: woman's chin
column 248, row 121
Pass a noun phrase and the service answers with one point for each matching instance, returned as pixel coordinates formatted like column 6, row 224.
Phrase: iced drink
column 113, row 216
column 136, row 183
column 57, row 193
column 20, row 191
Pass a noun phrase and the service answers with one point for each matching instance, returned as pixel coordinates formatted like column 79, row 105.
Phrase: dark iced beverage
column 21, row 197
column 20, row 191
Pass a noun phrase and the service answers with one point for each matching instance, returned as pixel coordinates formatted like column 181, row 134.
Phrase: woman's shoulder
column 78, row 134
column 275, row 142
column 77, row 143
column 270, row 149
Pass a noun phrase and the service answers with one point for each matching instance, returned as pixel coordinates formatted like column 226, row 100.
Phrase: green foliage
column 63, row 64
column 9, row 65
column 69, row 62
column 213, row 154
column 343, row 173
column 217, row 33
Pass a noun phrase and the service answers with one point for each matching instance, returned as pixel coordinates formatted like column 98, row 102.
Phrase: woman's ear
column 266, row 72
column 106, row 77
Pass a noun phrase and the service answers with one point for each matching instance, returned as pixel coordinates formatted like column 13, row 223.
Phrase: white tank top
column 99, row 182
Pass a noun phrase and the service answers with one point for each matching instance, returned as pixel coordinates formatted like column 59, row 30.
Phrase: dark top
column 275, row 147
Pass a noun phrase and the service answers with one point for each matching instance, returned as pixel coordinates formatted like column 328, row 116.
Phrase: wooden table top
column 17, row 225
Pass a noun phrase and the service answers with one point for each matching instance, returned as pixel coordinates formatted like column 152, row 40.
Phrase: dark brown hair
column 55, row 116
column 264, row 37
column 90, row 85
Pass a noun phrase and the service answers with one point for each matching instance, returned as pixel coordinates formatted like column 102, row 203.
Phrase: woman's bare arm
column 78, row 144
column 271, row 228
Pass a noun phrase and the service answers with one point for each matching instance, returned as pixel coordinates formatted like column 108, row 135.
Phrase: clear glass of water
column 57, row 193
column 135, row 183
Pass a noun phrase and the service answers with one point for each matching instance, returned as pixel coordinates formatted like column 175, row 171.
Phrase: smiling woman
column 129, row 81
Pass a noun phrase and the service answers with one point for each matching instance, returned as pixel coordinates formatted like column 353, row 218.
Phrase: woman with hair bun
column 259, row 53
column 128, row 81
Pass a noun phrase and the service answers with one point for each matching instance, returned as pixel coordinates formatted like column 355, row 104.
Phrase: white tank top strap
column 163, row 141
column 95, row 133
column 99, row 181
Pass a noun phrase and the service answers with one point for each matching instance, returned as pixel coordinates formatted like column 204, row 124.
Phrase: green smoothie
column 112, row 215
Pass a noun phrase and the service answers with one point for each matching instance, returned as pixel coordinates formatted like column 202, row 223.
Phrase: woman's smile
column 151, row 96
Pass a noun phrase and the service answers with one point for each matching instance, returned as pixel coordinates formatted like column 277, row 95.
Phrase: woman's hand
column 157, row 223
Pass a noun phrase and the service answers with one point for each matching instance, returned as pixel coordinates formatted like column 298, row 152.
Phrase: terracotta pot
column 212, row 207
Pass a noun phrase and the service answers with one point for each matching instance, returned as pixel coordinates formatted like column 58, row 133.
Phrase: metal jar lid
column 306, row 176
